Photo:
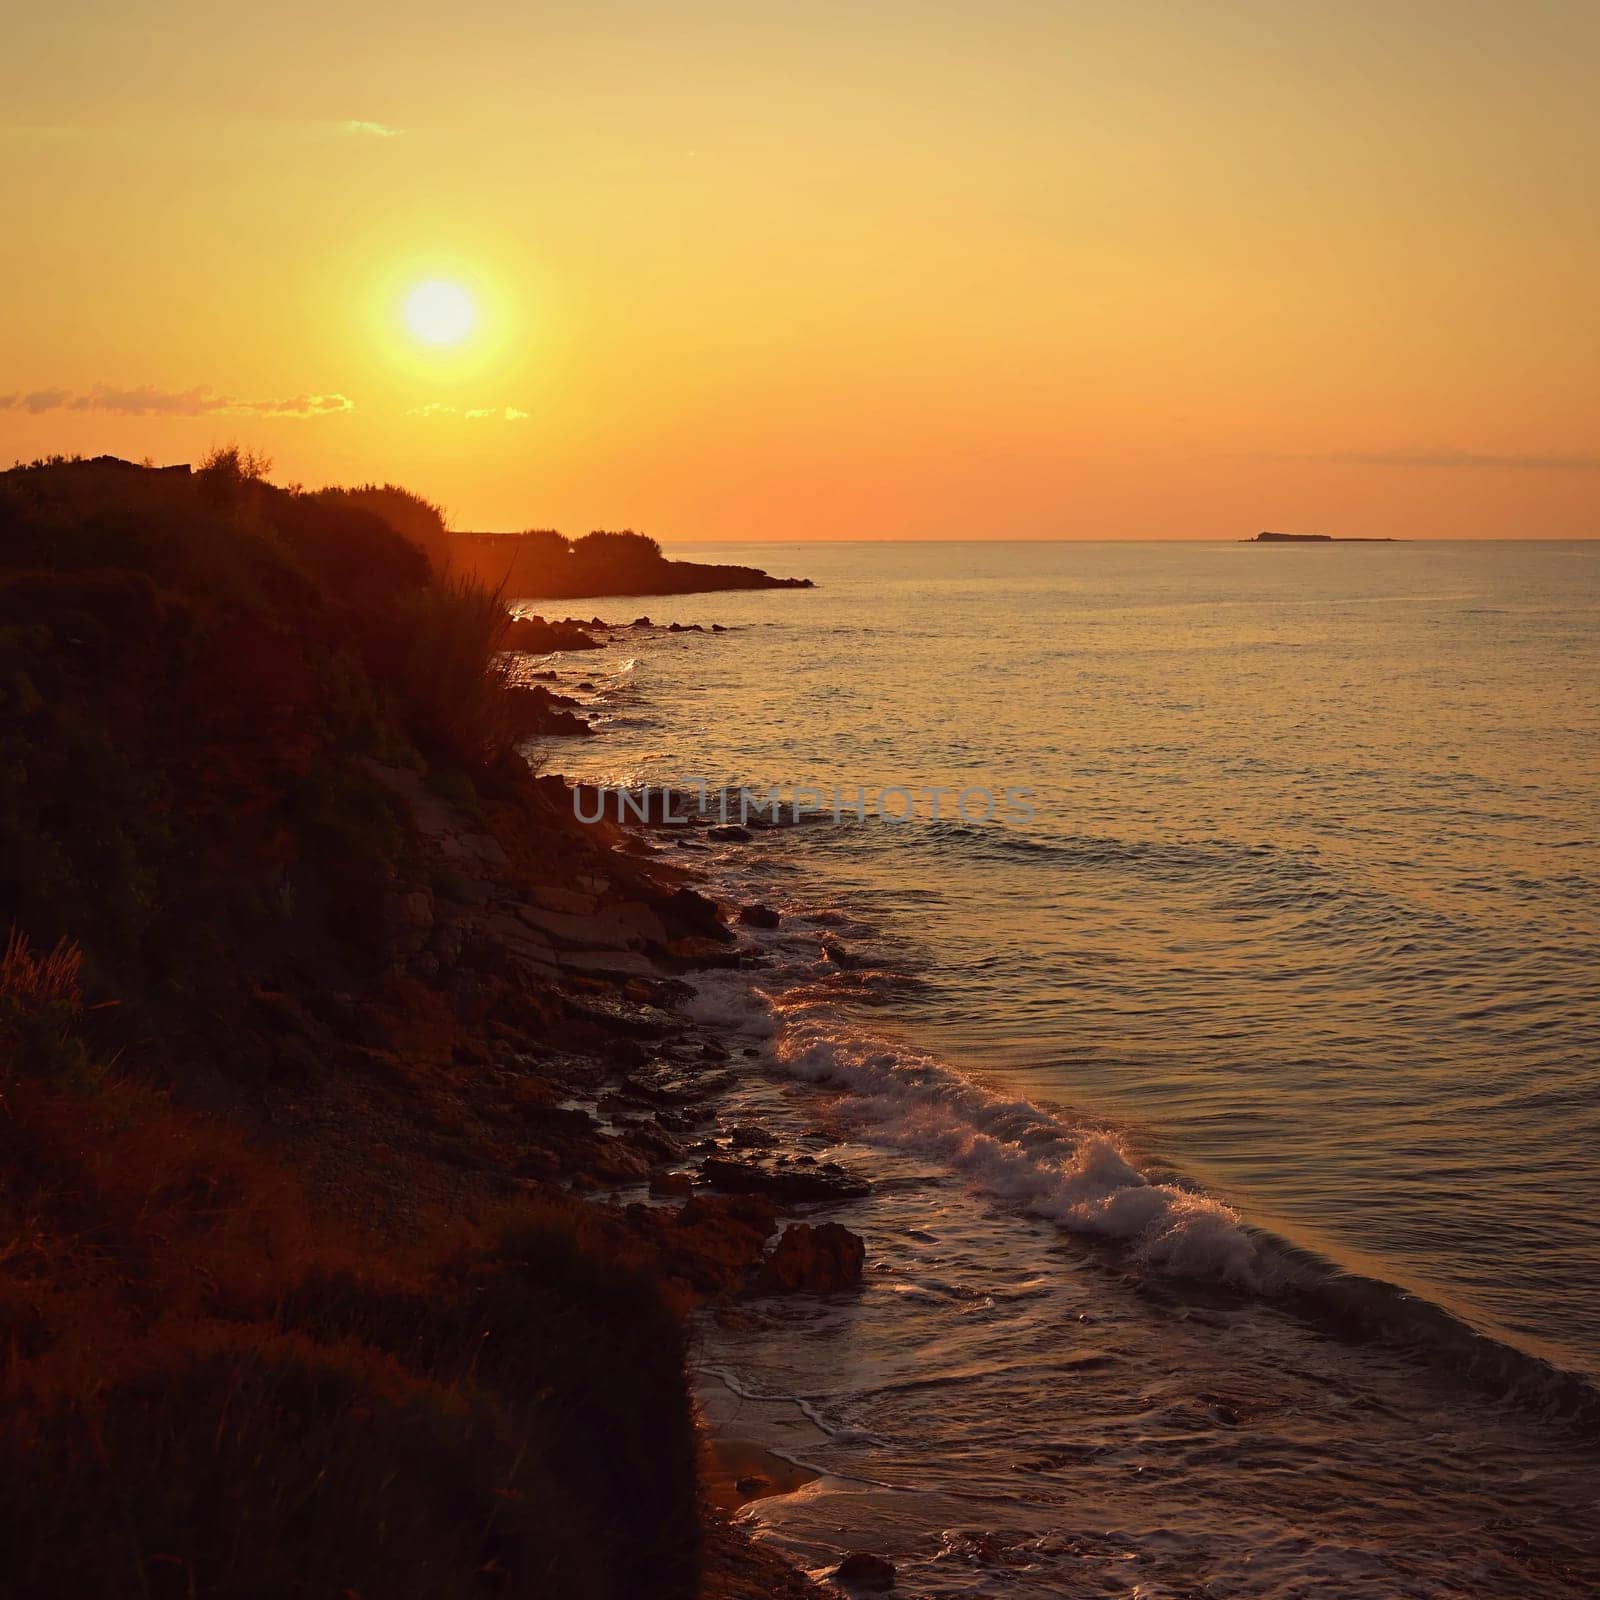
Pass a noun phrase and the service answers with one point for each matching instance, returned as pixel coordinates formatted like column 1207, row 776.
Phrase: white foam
column 1082, row 1179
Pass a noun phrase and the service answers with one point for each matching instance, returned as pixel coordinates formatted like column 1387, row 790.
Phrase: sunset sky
column 841, row 270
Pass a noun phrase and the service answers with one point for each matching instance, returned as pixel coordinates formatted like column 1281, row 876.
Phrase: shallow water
column 1239, row 1110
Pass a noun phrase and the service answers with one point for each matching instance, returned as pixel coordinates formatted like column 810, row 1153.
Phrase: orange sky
column 1021, row 268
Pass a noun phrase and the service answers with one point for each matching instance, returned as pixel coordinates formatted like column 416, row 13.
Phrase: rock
column 759, row 916
column 406, row 921
column 667, row 1083
column 824, row 1259
column 730, row 833
column 616, row 1015
column 787, row 1188
column 748, row 1138
column 609, row 928
column 535, row 637
column 716, row 627
column 534, row 711
column 463, row 889
column 642, row 622
column 713, row 1242
column 677, row 1184
column 617, row 1162
column 698, row 914
column 554, row 898
column 862, row 1570
column 609, row 963
column 635, row 914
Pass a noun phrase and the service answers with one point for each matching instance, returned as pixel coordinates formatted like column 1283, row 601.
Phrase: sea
column 1198, row 947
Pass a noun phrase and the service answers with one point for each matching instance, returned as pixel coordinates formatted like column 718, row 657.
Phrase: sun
column 440, row 312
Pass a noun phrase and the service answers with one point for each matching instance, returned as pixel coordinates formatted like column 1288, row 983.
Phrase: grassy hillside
column 218, row 1386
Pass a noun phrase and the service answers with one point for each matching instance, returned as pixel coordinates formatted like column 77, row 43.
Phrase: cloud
column 1553, row 461
column 39, row 400
column 437, row 408
column 147, row 401
column 369, row 130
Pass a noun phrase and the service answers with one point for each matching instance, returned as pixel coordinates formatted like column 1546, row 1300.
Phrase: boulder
column 535, row 637
column 821, row 1259
column 696, row 914
column 713, row 1242
column 864, row 1571
column 759, row 916
column 786, row 1187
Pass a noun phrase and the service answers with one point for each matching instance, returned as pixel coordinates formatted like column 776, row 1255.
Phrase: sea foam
column 1081, row 1178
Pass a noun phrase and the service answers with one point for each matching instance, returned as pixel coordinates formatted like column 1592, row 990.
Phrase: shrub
column 411, row 516
column 218, row 1461
column 453, row 682
column 547, row 1318
column 41, row 1008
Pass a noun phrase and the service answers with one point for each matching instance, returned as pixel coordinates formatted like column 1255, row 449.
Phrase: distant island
column 1315, row 538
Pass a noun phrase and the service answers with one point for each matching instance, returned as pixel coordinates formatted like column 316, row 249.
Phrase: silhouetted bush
column 222, row 1461
column 547, row 1317
column 413, row 518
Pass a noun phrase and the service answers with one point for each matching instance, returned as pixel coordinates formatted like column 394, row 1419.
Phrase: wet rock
column 641, row 622
column 864, row 1571
column 613, row 1013
column 695, row 914
column 759, row 916
column 821, row 1259
column 534, row 711
column 714, row 1242
column 536, row 637
column 675, row 1184
column 745, row 1137
column 730, row 833
column 668, row 1083
column 787, row 1187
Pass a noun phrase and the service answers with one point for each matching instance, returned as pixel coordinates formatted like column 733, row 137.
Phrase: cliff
column 306, row 978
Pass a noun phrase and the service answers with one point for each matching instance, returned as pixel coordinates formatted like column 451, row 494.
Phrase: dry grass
column 32, row 982
column 454, row 678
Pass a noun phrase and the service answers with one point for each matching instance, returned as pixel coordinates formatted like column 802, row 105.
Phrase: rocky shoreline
column 537, row 992
column 351, row 1107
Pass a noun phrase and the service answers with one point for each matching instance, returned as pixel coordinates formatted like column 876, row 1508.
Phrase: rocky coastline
column 352, row 1114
